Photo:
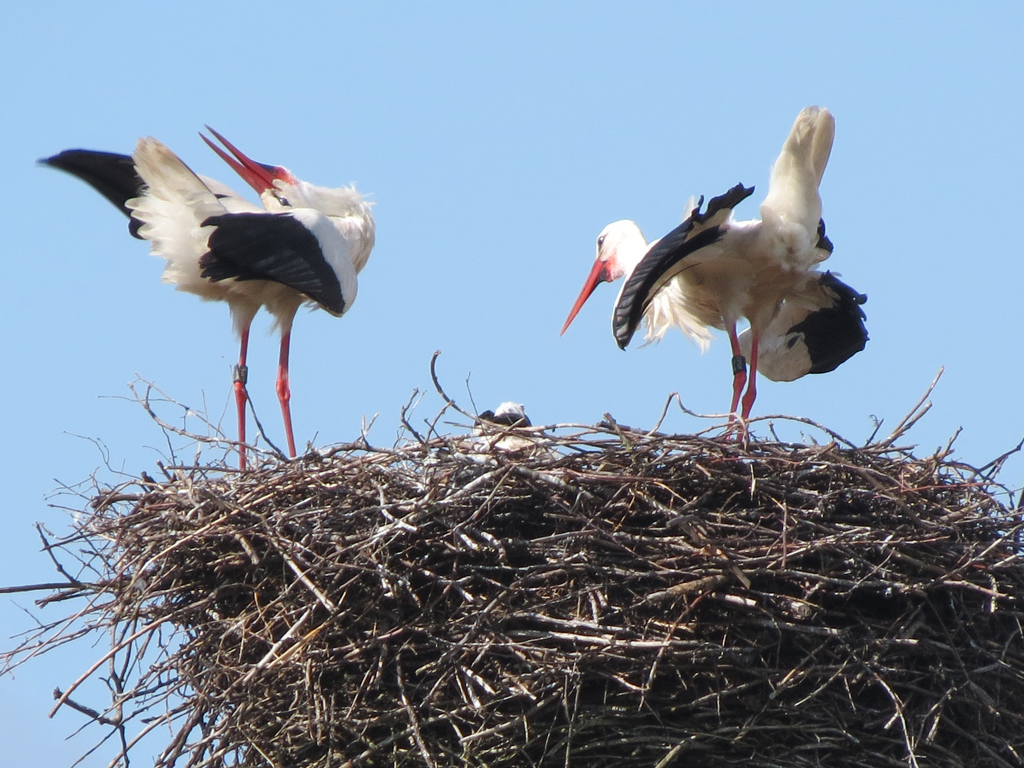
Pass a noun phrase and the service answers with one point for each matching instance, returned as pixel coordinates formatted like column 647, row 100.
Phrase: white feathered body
column 177, row 202
column 757, row 266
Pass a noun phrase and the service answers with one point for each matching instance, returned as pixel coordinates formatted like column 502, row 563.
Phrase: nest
column 590, row 597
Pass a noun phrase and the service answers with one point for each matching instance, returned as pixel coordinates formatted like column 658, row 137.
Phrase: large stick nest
column 598, row 598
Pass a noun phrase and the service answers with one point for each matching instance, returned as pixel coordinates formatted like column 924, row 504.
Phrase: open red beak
column 259, row 176
column 598, row 274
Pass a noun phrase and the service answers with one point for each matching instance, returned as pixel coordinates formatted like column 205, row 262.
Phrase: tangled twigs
column 595, row 597
column 145, row 399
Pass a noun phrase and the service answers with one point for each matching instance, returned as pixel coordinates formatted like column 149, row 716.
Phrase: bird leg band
column 241, row 374
column 739, row 364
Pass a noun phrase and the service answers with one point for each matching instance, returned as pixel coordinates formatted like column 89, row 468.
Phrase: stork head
column 280, row 190
column 269, row 181
column 620, row 246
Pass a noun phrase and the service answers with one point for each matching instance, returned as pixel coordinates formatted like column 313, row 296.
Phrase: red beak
column 598, row 274
column 259, row 176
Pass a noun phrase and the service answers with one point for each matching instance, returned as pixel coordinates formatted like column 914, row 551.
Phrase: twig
column 916, row 413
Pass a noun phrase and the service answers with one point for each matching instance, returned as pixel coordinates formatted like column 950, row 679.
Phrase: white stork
column 711, row 270
column 306, row 245
column 508, row 414
column 506, row 428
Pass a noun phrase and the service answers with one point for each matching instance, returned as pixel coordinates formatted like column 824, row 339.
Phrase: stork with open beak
column 711, row 270
column 306, row 245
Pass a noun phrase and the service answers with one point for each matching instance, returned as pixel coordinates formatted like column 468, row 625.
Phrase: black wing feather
column 823, row 242
column 662, row 262
column 271, row 246
column 110, row 174
column 504, row 419
column 834, row 333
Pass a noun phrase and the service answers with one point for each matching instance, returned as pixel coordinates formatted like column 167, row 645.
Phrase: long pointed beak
column 259, row 176
column 598, row 274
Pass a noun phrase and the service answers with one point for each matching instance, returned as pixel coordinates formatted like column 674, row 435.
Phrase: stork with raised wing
column 711, row 270
column 306, row 245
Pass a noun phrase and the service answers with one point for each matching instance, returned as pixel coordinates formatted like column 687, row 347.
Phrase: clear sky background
column 497, row 140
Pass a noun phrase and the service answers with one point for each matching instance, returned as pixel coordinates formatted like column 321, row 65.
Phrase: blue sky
column 497, row 140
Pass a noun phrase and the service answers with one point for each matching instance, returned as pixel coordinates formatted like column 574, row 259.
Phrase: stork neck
column 629, row 253
column 360, row 233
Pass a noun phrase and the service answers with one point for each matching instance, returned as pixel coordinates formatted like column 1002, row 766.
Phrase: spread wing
column 110, row 174
column 668, row 257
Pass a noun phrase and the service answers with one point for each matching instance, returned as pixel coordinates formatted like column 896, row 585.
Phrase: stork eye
column 600, row 241
column 282, row 199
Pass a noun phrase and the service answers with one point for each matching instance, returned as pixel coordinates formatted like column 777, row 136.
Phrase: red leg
column 241, row 374
column 739, row 371
column 748, row 398
column 284, row 393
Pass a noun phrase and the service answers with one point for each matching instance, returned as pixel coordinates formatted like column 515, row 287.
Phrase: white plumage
column 305, row 245
column 712, row 270
column 506, row 428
